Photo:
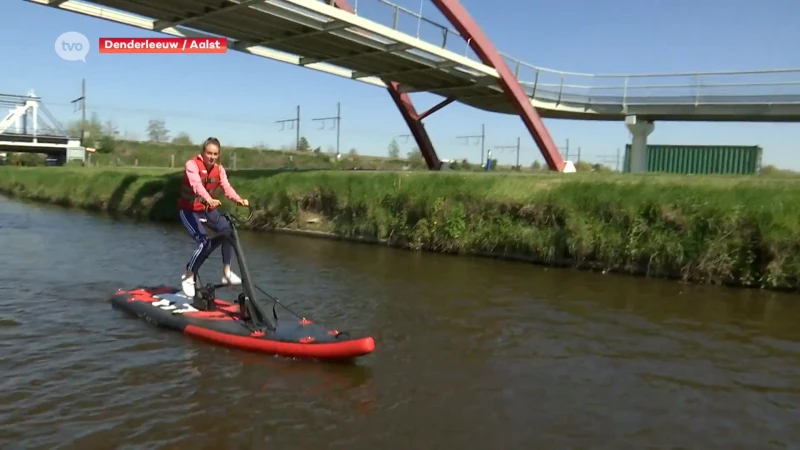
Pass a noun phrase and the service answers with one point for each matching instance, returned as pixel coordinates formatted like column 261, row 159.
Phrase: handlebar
column 238, row 219
column 235, row 219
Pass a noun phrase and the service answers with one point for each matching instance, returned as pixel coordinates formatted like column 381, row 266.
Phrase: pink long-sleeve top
column 196, row 182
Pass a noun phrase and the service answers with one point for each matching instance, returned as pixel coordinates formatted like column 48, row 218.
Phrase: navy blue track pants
column 205, row 246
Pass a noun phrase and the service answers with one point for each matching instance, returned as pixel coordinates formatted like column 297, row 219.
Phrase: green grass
column 147, row 154
column 709, row 229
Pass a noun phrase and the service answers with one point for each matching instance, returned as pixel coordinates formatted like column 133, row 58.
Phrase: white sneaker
column 187, row 284
column 231, row 279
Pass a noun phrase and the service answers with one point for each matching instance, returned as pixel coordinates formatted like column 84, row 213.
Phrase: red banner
column 163, row 45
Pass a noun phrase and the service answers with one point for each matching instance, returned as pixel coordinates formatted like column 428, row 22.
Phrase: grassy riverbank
column 733, row 230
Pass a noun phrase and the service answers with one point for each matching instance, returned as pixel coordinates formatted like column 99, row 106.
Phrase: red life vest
column 190, row 202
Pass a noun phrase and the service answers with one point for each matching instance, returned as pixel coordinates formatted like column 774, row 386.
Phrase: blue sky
column 238, row 97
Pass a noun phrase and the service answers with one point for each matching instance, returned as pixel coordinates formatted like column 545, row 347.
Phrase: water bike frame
column 251, row 309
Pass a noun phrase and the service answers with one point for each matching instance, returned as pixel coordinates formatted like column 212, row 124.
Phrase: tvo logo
column 72, row 46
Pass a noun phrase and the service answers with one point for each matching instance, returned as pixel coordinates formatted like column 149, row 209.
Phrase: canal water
column 471, row 353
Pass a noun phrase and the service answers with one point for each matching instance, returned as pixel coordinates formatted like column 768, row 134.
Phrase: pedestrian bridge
column 29, row 127
column 383, row 44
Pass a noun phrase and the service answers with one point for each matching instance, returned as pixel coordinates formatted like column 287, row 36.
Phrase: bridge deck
column 316, row 35
column 44, row 138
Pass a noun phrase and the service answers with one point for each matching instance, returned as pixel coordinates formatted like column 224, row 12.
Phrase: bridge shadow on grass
column 114, row 201
column 157, row 198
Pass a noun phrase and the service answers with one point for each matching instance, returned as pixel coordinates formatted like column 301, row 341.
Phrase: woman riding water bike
column 202, row 177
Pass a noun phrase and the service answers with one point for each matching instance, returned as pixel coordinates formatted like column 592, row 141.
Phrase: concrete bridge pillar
column 640, row 129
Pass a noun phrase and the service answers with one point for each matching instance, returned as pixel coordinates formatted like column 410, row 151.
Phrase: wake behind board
column 168, row 307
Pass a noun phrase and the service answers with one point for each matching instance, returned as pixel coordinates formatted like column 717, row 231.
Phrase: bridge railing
column 780, row 86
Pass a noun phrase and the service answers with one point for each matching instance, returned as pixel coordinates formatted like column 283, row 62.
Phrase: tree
column 94, row 130
column 394, row 149
column 415, row 159
column 99, row 134
column 303, row 145
column 353, row 152
column 106, row 144
column 110, row 129
column 601, row 168
column 157, row 130
column 583, row 166
column 74, row 128
column 94, row 126
column 182, row 138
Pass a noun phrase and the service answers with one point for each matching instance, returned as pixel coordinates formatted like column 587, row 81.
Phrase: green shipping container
column 700, row 159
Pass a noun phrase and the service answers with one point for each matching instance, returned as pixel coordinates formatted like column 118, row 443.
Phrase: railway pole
column 481, row 137
column 293, row 123
column 337, row 121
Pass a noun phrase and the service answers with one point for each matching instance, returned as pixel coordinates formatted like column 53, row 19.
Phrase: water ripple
column 471, row 353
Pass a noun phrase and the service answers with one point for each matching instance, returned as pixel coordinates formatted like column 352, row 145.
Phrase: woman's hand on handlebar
column 243, row 202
